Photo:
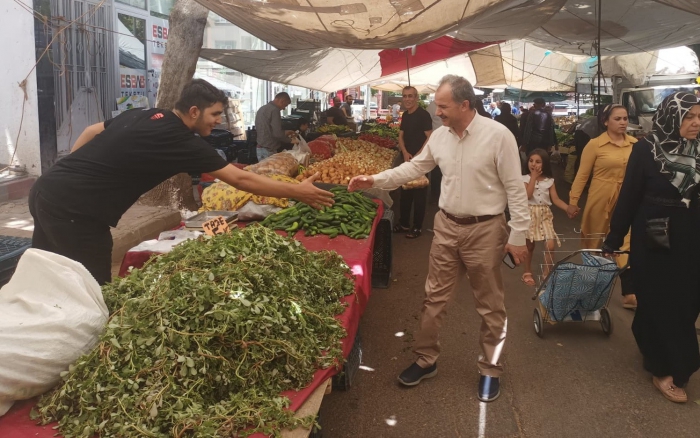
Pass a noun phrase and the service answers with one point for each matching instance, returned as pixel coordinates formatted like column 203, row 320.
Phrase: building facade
column 93, row 60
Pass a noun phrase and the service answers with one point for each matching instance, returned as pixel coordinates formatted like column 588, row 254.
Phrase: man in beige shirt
column 479, row 161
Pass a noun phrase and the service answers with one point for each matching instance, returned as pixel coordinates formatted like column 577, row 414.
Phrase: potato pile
column 353, row 157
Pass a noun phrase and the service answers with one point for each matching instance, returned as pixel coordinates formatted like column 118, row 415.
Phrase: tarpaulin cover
column 357, row 254
column 516, row 63
column 528, row 96
column 628, row 26
column 329, row 45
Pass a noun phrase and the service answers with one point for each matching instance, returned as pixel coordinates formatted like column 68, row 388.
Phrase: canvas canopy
column 537, row 45
column 514, row 64
column 569, row 26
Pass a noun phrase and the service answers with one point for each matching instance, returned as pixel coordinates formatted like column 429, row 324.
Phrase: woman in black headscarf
column 507, row 119
column 479, row 106
column 660, row 200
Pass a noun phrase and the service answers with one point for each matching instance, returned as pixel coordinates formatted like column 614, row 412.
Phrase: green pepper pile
column 352, row 215
column 203, row 340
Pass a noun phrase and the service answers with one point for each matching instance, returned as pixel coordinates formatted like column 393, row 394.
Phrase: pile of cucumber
column 352, row 215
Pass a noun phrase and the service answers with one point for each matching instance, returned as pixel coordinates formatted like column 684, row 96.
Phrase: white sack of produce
column 52, row 313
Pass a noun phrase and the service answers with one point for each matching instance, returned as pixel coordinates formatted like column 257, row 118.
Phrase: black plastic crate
column 219, row 138
column 382, row 255
column 247, row 154
column 345, row 378
column 11, row 249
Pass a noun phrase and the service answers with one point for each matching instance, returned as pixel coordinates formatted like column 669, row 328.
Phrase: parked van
column 560, row 109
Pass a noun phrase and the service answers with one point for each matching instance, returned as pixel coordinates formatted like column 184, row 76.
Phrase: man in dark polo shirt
column 416, row 127
column 113, row 163
column 335, row 115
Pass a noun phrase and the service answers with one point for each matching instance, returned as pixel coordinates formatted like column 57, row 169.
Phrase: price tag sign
column 215, row 226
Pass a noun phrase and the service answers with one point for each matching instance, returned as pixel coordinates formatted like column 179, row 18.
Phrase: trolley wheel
column 606, row 322
column 537, row 320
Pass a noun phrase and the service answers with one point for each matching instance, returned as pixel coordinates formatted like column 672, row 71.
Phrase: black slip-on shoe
column 412, row 375
column 489, row 388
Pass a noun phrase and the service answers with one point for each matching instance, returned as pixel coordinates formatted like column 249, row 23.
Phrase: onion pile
column 353, row 157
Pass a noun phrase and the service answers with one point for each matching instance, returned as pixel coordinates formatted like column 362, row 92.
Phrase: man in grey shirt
column 268, row 123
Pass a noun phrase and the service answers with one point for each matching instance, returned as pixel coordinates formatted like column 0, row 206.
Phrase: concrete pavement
column 575, row 382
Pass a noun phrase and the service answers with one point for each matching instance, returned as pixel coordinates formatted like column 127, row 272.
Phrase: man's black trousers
column 77, row 237
column 416, row 198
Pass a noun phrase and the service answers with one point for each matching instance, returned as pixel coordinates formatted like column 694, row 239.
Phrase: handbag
column 657, row 234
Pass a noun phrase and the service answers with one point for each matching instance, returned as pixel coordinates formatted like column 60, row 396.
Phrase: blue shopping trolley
column 577, row 292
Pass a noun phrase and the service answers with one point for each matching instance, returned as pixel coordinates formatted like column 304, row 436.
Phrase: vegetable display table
column 356, row 253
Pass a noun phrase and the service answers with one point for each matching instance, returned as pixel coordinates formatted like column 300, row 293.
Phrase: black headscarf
column 678, row 158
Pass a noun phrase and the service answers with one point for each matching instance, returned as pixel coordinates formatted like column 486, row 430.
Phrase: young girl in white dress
column 541, row 193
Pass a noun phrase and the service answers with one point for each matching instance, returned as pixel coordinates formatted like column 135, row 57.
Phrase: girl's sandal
column 528, row 279
column 400, row 229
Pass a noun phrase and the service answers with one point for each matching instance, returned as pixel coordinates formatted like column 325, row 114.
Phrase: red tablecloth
column 357, row 254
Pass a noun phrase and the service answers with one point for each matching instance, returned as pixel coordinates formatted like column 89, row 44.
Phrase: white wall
column 18, row 58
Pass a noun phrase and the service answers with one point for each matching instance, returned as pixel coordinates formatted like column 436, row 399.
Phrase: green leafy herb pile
column 351, row 215
column 381, row 130
column 203, row 340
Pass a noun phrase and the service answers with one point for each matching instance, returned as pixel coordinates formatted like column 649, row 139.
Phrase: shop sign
column 159, row 35
column 132, row 81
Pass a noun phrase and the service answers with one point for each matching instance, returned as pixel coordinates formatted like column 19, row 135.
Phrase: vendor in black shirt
column 334, row 115
column 416, row 127
column 112, row 164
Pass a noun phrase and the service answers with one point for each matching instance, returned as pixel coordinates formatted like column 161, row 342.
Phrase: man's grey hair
column 461, row 89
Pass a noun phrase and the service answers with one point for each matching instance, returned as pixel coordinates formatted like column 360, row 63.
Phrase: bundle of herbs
column 203, row 340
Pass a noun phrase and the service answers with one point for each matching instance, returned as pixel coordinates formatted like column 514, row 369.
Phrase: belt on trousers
column 469, row 219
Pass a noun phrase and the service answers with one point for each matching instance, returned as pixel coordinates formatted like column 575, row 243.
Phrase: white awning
column 567, row 26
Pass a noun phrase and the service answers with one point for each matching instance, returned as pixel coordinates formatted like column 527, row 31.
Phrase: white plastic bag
column 256, row 212
column 52, row 313
column 301, row 151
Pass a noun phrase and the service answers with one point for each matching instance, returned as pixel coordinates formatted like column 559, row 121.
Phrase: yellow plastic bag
column 221, row 196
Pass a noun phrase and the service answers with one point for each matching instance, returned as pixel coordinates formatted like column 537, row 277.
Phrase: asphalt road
column 574, row 382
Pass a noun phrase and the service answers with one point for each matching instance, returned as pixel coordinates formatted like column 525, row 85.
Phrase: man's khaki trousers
column 480, row 248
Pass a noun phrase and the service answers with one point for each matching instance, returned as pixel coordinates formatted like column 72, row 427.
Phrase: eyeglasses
column 409, row 96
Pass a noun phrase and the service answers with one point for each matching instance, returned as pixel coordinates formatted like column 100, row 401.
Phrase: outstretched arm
column 250, row 182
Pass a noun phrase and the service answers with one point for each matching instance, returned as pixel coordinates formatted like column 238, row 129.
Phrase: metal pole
column 599, row 73
column 408, row 69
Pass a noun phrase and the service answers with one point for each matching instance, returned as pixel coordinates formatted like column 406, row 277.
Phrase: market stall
column 357, row 254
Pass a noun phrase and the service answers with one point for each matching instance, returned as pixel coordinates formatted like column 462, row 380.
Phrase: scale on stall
column 212, row 222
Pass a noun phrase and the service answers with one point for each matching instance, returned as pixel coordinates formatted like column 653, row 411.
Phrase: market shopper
column 604, row 162
column 479, row 107
column 334, row 115
column 346, row 106
column 482, row 175
column 432, row 110
column 539, row 128
column 416, row 127
column 113, row 163
column 396, row 111
column 494, row 109
column 660, row 200
column 268, row 123
column 507, row 119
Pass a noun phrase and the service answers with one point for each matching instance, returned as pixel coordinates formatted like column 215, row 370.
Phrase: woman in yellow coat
column 605, row 157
